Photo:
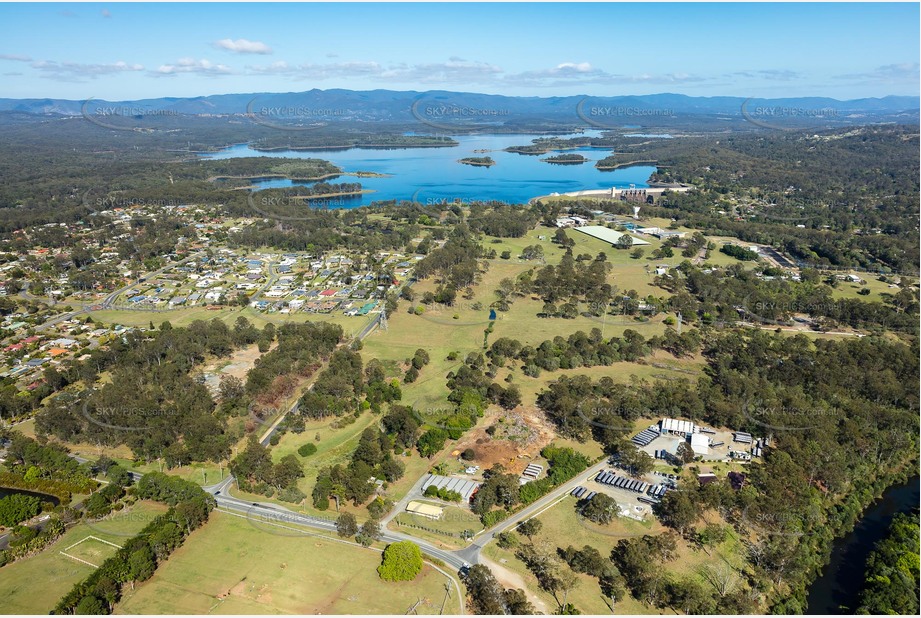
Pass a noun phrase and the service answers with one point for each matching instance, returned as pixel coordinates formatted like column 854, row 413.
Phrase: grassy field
column 184, row 317
column 92, row 550
column 453, row 520
column 562, row 527
column 34, row 585
column 622, row 372
column 879, row 291
column 334, row 447
column 231, row 567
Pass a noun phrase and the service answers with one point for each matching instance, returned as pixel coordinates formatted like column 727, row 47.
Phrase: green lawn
column 879, row 291
column 35, row 584
column 229, row 566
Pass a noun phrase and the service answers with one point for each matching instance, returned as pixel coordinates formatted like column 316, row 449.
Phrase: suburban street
column 110, row 298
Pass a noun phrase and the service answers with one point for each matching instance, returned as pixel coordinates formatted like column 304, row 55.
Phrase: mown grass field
column 91, row 550
column 230, row 566
column 35, row 585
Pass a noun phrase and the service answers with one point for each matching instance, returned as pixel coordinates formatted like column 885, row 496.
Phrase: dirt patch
column 513, row 580
column 517, row 438
column 237, row 365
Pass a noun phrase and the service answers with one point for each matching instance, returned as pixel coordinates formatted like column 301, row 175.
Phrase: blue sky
column 131, row 51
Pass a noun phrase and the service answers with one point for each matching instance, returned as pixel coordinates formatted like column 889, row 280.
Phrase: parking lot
column 635, row 496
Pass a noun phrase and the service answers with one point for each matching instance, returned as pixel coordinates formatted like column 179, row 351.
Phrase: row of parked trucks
column 655, row 492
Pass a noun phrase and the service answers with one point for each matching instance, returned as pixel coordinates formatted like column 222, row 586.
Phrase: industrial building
column 422, row 509
column 677, row 427
column 608, row 235
column 466, row 488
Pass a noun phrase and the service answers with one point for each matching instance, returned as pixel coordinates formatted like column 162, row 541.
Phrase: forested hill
column 390, row 105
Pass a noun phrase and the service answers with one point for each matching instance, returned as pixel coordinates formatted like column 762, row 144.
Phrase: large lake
column 430, row 175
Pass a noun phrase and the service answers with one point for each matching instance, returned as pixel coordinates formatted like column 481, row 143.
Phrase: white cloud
column 243, row 46
column 569, row 67
column 75, row 71
column 782, row 75
column 319, row 71
column 563, row 73
column 455, row 71
column 15, row 57
column 190, row 65
column 458, row 71
column 888, row 73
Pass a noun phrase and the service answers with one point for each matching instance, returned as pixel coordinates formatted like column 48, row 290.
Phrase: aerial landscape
column 459, row 308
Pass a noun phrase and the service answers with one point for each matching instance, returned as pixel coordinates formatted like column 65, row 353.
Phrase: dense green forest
column 839, row 185
column 843, row 418
column 893, row 571
column 154, row 406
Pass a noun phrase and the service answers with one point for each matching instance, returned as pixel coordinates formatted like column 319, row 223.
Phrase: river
column 837, row 590
column 433, row 175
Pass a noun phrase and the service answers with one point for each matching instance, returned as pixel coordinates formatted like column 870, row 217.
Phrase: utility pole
column 447, row 596
column 412, row 610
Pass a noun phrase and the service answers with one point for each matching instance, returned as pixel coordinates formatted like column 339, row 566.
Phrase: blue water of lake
column 433, row 175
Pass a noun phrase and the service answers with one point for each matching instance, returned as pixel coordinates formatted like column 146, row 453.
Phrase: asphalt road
column 258, row 512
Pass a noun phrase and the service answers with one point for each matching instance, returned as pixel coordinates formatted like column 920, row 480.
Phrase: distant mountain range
column 401, row 106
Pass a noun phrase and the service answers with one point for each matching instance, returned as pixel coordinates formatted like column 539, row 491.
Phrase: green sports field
column 230, row 566
column 34, row 585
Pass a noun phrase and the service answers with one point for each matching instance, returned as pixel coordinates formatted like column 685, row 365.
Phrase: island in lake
column 480, row 161
column 566, row 159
